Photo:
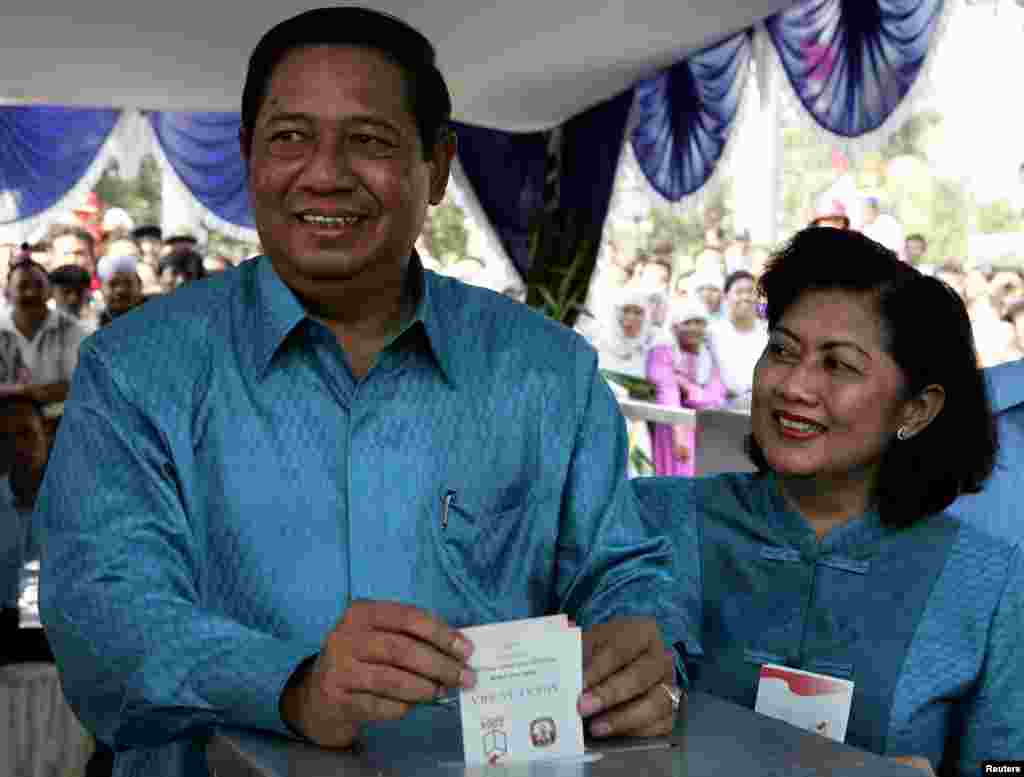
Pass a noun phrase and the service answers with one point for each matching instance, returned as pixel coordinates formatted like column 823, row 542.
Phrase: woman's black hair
column 927, row 332
column 427, row 94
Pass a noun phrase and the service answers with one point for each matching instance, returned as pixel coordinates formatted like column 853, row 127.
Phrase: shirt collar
column 280, row 312
column 1006, row 385
column 857, row 537
column 434, row 314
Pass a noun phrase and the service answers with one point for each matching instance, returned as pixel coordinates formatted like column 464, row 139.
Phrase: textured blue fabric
column 44, row 151
column 851, row 62
column 684, row 116
column 772, row 593
column 221, row 489
column 203, row 150
column 999, row 508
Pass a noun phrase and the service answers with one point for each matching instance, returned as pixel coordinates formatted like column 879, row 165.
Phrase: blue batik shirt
column 222, row 488
column 999, row 508
column 925, row 620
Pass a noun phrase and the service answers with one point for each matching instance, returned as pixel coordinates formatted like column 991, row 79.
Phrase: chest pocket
column 499, row 557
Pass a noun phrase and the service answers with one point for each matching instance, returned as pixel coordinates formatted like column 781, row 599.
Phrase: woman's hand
column 917, row 761
column 681, row 451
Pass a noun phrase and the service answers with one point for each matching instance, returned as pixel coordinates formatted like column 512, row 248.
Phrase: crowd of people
column 276, row 497
column 69, row 284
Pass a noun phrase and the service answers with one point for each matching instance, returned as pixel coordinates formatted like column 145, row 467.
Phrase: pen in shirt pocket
column 446, row 502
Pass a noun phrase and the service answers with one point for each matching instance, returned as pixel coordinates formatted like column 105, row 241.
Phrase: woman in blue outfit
column 869, row 417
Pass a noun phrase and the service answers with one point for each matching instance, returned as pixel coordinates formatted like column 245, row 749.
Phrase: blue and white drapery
column 201, row 152
column 510, row 174
column 685, row 114
column 505, row 172
column 851, row 64
column 50, row 157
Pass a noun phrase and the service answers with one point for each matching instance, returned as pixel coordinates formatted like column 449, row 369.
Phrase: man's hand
column 380, row 660
column 625, row 662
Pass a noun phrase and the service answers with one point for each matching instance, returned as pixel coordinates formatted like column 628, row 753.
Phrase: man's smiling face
column 337, row 171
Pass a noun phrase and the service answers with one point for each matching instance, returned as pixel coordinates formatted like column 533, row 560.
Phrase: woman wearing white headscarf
column 622, row 346
column 685, row 374
column 624, row 338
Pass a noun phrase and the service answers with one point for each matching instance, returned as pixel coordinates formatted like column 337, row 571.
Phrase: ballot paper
column 529, row 680
column 814, row 702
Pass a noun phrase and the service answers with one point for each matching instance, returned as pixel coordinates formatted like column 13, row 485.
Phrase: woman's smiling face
column 828, row 398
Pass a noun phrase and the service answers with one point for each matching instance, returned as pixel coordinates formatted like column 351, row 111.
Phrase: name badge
column 814, row 702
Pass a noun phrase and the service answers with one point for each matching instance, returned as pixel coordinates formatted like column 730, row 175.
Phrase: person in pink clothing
column 686, row 375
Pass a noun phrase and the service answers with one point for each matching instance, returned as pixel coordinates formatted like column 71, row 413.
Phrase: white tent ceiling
column 514, row 65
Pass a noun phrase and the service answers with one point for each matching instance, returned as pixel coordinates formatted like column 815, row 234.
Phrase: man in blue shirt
column 999, row 508
column 277, row 494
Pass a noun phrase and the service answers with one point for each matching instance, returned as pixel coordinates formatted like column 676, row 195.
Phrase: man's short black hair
column 736, row 277
column 188, row 263
column 919, row 238
column 427, row 94
column 71, row 276
column 147, row 231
